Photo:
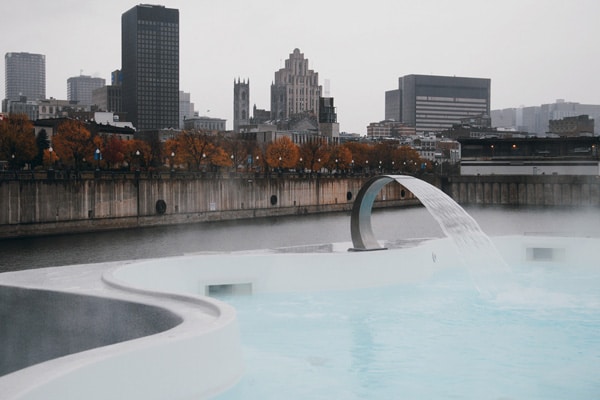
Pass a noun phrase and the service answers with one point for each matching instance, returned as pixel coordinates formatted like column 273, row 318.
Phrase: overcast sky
column 533, row 51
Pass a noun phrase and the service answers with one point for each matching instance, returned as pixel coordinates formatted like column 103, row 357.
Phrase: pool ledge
column 200, row 355
column 177, row 362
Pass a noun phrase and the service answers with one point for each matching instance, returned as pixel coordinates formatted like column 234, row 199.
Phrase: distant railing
column 62, row 174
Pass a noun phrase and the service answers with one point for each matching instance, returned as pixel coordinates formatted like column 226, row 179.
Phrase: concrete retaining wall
column 31, row 207
column 38, row 207
column 525, row 190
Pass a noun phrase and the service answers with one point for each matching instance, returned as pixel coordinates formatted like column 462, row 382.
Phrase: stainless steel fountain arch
column 455, row 222
column 360, row 222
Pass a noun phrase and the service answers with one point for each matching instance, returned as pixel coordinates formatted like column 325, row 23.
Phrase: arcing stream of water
column 474, row 246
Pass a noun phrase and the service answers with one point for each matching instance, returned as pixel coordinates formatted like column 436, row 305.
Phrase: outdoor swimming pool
column 463, row 317
column 438, row 339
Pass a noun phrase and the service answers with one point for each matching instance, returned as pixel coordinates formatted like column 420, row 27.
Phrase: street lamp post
column 50, row 151
column 172, row 161
column 280, row 165
column 97, row 156
column 137, row 156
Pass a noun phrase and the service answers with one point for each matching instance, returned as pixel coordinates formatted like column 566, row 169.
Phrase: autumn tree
column 282, row 153
column 172, row 153
column 156, row 151
column 197, row 149
column 361, row 153
column 73, row 144
column 113, row 152
column 239, row 149
column 314, row 153
column 383, row 154
column 17, row 140
column 50, row 158
column 340, row 158
column 408, row 159
column 137, row 154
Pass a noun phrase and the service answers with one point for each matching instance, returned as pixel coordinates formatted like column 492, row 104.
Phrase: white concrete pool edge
column 202, row 356
column 177, row 363
column 286, row 271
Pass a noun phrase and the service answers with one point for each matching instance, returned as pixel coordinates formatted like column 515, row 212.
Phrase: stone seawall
column 524, row 190
column 46, row 206
column 36, row 206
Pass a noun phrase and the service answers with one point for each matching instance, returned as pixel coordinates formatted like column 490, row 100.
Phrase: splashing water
column 478, row 252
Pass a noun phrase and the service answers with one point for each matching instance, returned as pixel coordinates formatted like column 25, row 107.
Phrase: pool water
column 435, row 340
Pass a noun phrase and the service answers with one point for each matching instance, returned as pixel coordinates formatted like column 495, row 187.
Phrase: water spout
column 474, row 246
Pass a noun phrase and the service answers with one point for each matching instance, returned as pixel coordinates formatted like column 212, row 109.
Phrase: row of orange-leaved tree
column 74, row 147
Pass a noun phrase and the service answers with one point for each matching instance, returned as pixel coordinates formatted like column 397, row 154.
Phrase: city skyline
column 532, row 54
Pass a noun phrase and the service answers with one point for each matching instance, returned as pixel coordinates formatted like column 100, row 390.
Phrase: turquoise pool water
column 434, row 340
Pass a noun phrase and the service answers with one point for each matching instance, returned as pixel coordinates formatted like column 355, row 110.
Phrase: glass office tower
column 150, row 66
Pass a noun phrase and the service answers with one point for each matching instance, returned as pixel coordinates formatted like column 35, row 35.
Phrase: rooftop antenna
column 327, row 88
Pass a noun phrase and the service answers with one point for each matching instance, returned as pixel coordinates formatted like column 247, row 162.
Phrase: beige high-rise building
column 295, row 89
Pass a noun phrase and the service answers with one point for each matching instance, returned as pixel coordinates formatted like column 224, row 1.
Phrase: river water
column 403, row 223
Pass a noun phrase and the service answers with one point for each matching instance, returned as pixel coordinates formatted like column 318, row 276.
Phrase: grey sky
column 533, row 51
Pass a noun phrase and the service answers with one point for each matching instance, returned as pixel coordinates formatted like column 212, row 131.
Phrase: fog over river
column 403, row 223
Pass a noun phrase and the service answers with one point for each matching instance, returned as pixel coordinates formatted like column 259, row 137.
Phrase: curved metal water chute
column 455, row 222
column 360, row 222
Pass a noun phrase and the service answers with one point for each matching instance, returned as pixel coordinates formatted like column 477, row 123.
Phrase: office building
column 260, row 116
column 393, row 112
column 116, row 78
column 150, row 66
column 186, row 108
column 435, row 103
column 25, row 77
column 205, row 124
column 581, row 125
column 535, row 120
column 53, row 108
column 295, row 89
column 328, row 125
column 80, row 88
column 108, row 98
column 389, row 129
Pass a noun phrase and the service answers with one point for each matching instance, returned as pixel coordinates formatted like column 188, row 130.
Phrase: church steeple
column 241, row 103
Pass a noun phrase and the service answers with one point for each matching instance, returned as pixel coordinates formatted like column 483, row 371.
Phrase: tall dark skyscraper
column 150, row 66
column 25, row 76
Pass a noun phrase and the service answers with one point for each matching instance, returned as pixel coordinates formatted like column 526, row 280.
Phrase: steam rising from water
column 474, row 246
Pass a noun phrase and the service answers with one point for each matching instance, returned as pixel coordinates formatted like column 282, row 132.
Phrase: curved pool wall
column 287, row 270
column 202, row 356
column 294, row 269
column 91, row 341
column 39, row 325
